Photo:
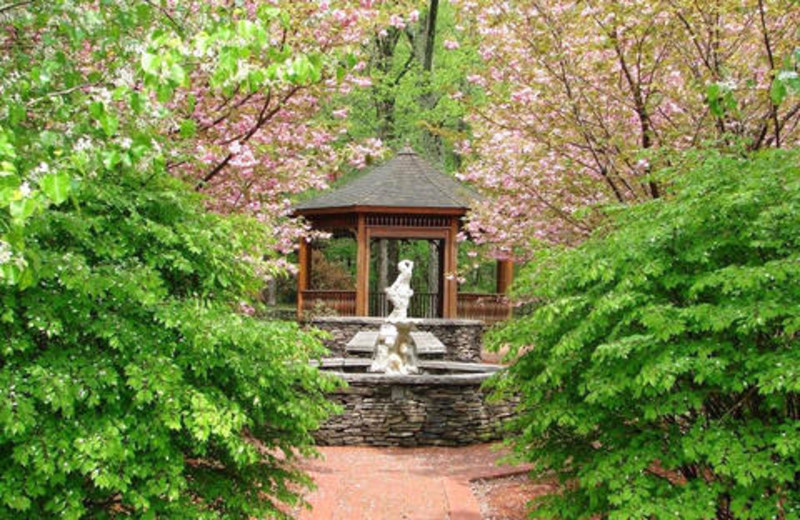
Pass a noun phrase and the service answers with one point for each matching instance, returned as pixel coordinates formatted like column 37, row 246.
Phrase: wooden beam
column 450, row 273
column 303, row 274
column 505, row 275
column 383, row 210
column 362, row 268
column 409, row 233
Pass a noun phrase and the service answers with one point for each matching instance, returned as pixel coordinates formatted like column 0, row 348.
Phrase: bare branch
column 178, row 27
column 770, row 57
column 14, row 6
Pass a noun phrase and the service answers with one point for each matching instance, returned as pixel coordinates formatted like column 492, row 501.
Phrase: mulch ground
column 509, row 497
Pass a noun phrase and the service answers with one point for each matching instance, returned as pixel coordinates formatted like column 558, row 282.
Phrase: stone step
column 427, row 344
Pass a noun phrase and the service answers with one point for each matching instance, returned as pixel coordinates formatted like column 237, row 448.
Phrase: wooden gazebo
column 404, row 198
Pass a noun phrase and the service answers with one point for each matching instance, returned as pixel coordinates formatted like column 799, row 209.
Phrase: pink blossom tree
column 583, row 100
column 255, row 128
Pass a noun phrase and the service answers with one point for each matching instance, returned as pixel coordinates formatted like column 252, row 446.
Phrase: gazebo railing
column 336, row 303
column 422, row 305
column 489, row 308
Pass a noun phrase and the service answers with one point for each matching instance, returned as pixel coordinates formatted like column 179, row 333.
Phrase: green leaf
column 23, row 208
column 777, row 91
column 17, row 114
column 56, row 186
column 136, row 102
column 150, row 63
column 109, row 123
column 177, row 74
column 188, row 128
column 97, row 109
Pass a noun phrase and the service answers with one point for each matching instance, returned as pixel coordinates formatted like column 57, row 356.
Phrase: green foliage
column 130, row 381
column 407, row 104
column 660, row 369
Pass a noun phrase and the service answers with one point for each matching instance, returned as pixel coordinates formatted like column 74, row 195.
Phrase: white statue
column 400, row 292
column 395, row 351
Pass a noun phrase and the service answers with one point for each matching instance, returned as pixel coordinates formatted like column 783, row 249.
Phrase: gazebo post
column 505, row 275
column 450, row 271
column 362, row 268
column 303, row 275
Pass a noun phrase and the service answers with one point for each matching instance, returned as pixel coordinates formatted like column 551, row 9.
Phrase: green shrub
column 660, row 370
column 129, row 381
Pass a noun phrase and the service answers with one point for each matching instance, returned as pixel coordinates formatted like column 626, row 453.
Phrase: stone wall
column 463, row 338
column 414, row 411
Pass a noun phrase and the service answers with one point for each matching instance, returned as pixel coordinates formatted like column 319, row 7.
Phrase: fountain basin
column 463, row 339
column 443, row 406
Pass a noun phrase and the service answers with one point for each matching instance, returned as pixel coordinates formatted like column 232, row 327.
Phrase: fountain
column 398, row 398
column 395, row 351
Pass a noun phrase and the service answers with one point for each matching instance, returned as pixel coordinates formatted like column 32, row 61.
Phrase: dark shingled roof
column 406, row 180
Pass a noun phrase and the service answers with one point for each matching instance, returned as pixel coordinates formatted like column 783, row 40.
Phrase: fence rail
column 489, row 308
column 422, row 305
column 329, row 303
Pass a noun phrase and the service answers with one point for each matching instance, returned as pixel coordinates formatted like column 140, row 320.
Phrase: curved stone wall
column 463, row 338
column 444, row 407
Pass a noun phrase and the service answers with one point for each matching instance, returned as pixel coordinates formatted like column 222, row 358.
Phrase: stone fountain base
column 443, row 406
column 462, row 338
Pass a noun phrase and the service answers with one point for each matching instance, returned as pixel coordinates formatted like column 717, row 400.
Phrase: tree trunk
column 385, row 101
column 431, row 143
column 394, row 258
column 430, row 36
column 383, row 264
column 433, row 266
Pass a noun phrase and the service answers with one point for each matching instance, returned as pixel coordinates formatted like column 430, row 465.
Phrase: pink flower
column 451, row 45
column 397, row 21
column 340, row 113
column 413, row 16
column 362, row 81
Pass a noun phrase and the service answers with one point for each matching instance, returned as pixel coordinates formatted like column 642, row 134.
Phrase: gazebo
column 404, row 198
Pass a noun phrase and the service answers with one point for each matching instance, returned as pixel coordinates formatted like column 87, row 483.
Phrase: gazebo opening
column 427, row 301
column 403, row 208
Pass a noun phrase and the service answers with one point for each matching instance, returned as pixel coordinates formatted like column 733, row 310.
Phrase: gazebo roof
column 405, row 181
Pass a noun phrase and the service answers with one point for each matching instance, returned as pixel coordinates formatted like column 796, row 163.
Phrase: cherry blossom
column 580, row 103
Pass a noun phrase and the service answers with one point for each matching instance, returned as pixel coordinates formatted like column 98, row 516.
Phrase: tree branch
column 13, row 6
column 770, row 57
column 178, row 27
column 263, row 117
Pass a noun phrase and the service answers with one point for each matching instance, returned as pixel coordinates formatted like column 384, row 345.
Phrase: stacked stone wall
column 462, row 338
column 434, row 413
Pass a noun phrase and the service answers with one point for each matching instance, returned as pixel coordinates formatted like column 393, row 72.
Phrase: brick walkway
column 359, row 483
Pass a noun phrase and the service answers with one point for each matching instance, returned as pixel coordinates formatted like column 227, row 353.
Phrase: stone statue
column 400, row 292
column 395, row 352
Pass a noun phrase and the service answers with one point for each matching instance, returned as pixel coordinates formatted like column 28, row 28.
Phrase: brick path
column 359, row 483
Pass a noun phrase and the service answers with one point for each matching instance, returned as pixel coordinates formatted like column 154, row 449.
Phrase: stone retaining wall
column 422, row 410
column 463, row 338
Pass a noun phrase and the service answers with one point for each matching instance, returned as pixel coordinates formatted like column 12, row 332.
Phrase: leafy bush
column 660, row 370
column 130, row 383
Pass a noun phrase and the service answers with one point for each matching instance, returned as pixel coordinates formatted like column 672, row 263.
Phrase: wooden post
column 505, row 275
column 450, row 271
column 440, row 288
column 303, row 274
column 362, row 268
